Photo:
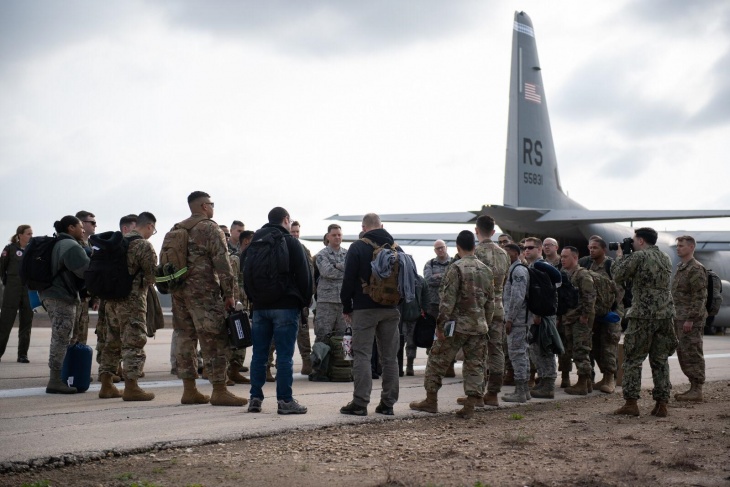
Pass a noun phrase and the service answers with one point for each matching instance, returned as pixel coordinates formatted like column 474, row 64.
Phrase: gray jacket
column 331, row 266
column 515, row 294
column 68, row 263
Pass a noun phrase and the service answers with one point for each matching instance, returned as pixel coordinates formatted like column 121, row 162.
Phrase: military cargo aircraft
column 534, row 202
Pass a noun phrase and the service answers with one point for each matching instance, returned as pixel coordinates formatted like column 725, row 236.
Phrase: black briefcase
column 424, row 331
column 239, row 330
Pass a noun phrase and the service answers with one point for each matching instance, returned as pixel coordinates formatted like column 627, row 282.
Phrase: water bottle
column 347, row 343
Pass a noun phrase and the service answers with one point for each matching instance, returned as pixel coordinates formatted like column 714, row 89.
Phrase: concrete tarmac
column 36, row 427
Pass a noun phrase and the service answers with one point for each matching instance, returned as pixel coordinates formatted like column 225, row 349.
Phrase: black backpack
column 36, row 270
column 108, row 275
column 568, row 295
column 266, row 268
column 542, row 298
column 714, row 293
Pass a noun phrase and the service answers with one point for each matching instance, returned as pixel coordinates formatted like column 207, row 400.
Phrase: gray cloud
column 717, row 110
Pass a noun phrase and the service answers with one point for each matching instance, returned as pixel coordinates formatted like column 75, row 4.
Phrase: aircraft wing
column 405, row 239
column 455, row 217
column 611, row 216
column 708, row 241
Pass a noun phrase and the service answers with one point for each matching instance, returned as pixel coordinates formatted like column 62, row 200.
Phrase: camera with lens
column 627, row 245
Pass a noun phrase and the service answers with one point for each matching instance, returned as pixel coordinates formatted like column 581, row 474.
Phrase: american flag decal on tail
column 531, row 93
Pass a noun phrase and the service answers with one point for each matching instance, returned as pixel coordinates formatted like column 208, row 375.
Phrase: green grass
column 516, row 416
column 39, row 483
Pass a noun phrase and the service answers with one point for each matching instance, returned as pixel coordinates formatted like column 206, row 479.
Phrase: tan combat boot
column 450, row 372
column 221, row 397
column 132, row 392
column 57, row 386
column 694, row 394
column 609, row 383
column 509, row 378
column 660, row 409
column 564, row 379
column 428, row 405
column 467, row 412
column 631, row 408
column 269, row 376
column 236, row 376
column 580, row 388
column 108, row 389
column 599, row 384
column 191, row 395
column 494, row 386
column 463, row 400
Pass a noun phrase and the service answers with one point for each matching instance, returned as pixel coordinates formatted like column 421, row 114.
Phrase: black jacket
column 358, row 270
column 299, row 282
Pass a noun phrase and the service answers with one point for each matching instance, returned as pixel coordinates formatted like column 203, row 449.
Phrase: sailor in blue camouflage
column 651, row 327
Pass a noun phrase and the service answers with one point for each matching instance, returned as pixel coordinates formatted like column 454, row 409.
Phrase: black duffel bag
column 424, row 331
column 239, row 330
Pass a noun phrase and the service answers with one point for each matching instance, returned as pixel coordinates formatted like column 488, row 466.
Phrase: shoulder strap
column 191, row 222
column 370, row 242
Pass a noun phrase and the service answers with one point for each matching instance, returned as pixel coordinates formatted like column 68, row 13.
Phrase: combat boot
column 580, row 388
column 269, row 376
column 494, row 386
column 221, row 397
column 450, row 372
column 599, row 384
column 631, row 408
column 57, row 386
column 204, row 374
column 520, row 393
column 306, row 366
column 236, row 377
column 467, row 412
column 463, row 400
column 609, row 383
column 589, row 383
column 409, row 367
column 694, row 394
column 509, row 378
column 428, row 405
column 132, row 392
column 191, row 395
column 546, row 389
column 565, row 379
column 660, row 409
column 531, row 383
column 108, row 389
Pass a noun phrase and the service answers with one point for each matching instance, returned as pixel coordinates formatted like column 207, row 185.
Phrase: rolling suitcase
column 76, row 371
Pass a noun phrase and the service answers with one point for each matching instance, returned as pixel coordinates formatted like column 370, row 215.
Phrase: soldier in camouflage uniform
column 689, row 292
column 330, row 262
column 199, row 307
column 651, row 328
column 515, row 318
column 126, row 329
column 466, row 297
column 81, row 325
column 578, row 321
column 239, row 355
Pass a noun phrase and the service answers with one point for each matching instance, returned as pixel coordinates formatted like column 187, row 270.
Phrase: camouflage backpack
column 383, row 291
column 174, row 256
column 606, row 292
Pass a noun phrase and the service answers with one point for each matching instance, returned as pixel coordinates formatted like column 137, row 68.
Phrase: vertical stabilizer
column 531, row 169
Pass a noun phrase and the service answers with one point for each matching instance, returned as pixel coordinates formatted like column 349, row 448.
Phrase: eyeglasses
column 212, row 205
column 154, row 230
column 93, row 223
column 228, row 235
column 529, row 247
column 503, row 242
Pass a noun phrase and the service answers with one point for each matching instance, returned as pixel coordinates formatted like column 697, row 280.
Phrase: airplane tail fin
column 531, row 169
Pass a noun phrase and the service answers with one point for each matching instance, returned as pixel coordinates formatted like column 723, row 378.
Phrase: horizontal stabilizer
column 455, row 217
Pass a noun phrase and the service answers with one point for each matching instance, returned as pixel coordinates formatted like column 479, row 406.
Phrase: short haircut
column 197, row 195
column 223, row 227
column 687, row 239
column 295, row 223
column 599, row 241
column 145, row 218
column 237, row 223
column 244, row 235
column 333, row 226
column 513, row 247
column 371, row 220
column 534, row 240
column 325, row 240
column 277, row 215
column 648, row 234
column 550, row 240
column 572, row 250
column 84, row 214
column 127, row 220
column 61, row 226
column 506, row 235
column 465, row 240
column 485, row 223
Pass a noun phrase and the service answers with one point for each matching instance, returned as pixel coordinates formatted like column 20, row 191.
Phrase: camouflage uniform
column 467, row 297
column 577, row 334
column 492, row 255
column 433, row 272
column 331, row 265
column 238, row 356
column 126, row 328
column 515, row 310
column 607, row 335
column 650, row 329
column 198, row 306
column 62, row 314
column 689, row 292
column 81, row 321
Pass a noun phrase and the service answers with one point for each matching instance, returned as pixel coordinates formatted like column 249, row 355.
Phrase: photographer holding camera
column 651, row 329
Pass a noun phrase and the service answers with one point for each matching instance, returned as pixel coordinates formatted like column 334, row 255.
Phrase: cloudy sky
column 331, row 106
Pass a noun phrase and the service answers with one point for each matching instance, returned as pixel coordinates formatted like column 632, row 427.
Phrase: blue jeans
column 281, row 325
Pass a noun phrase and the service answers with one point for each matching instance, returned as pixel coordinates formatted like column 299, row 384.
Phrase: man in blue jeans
column 276, row 279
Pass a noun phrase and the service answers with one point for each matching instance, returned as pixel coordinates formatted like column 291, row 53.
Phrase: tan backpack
column 171, row 272
column 383, row 291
